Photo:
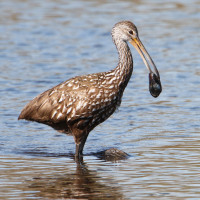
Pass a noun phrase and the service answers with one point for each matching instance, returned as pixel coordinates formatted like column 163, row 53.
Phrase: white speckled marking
column 52, row 92
column 111, row 80
column 73, row 113
column 69, row 104
column 54, row 113
column 84, row 104
column 75, row 87
column 93, row 104
column 79, row 105
column 98, row 95
column 93, row 109
column 66, row 82
column 69, row 110
column 64, row 109
column 62, row 98
column 59, row 115
column 61, row 86
column 92, row 90
column 111, row 86
column 104, row 82
column 69, row 84
column 106, row 100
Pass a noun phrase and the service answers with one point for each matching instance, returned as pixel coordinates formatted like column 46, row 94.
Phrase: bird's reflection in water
column 82, row 184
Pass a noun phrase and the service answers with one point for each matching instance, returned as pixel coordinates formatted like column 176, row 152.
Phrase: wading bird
column 79, row 104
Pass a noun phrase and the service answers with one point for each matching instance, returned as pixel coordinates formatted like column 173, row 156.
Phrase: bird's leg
column 80, row 146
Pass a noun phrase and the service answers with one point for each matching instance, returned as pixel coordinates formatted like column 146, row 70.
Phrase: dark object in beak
column 155, row 87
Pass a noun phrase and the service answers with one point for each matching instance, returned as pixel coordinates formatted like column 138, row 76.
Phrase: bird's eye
column 131, row 32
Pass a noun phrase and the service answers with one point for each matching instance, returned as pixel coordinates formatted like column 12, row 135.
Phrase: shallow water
column 43, row 43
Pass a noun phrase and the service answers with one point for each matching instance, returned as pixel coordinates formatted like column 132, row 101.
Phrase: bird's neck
column 124, row 69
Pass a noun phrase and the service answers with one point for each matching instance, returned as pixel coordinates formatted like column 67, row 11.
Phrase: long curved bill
column 154, row 76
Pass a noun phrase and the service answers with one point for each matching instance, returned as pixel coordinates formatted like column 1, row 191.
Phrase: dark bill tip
column 155, row 87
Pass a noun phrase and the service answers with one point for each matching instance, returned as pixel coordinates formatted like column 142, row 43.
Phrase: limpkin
column 79, row 104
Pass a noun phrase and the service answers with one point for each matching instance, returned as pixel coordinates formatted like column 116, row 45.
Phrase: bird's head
column 126, row 31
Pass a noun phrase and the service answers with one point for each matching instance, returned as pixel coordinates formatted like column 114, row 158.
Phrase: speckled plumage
column 79, row 104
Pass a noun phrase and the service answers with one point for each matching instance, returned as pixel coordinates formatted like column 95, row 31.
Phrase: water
column 43, row 43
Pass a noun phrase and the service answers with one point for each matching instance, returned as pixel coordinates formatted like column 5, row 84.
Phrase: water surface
column 43, row 43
